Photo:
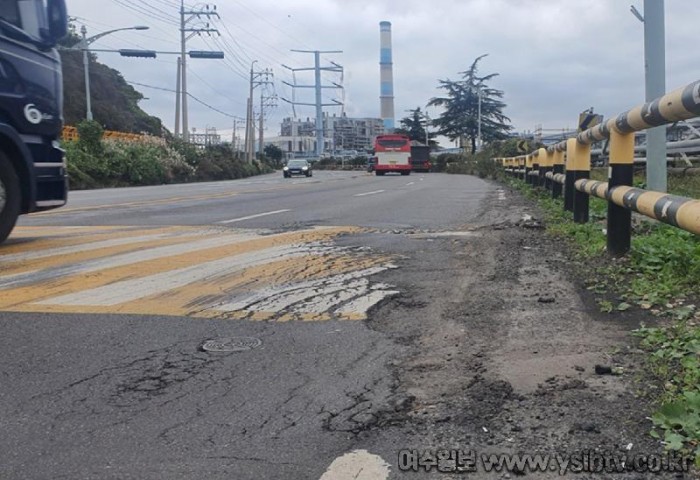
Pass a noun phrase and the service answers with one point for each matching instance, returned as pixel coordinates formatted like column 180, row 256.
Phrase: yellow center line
column 163, row 201
column 144, row 203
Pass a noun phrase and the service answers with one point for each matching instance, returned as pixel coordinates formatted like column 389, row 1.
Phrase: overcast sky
column 555, row 57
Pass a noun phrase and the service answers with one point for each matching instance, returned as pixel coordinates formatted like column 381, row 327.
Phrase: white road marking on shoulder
column 410, row 183
column 357, row 465
column 367, row 193
column 249, row 217
column 501, row 194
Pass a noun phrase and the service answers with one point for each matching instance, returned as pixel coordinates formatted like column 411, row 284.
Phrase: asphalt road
column 88, row 393
column 302, row 329
column 327, row 198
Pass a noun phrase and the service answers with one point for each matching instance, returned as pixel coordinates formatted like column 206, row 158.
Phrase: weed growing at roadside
column 674, row 358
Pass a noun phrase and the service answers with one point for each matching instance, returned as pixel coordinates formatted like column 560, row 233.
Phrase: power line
column 94, row 24
column 226, row 62
column 154, row 13
column 213, row 89
column 188, row 94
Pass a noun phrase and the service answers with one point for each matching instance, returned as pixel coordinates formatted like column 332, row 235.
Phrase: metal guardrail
column 70, row 133
column 568, row 163
column 675, row 210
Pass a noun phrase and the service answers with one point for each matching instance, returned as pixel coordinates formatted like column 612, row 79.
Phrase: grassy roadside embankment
column 95, row 162
column 661, row 275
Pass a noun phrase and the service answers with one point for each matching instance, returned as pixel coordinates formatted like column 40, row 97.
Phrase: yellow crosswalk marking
column 187, row 271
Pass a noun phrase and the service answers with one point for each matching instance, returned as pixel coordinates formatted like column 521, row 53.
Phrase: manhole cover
column 234, row 344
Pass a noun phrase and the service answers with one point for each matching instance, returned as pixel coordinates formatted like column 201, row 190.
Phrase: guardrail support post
column 557, row 167
column 569, row 188
column 542, row 157
column 581, row 165
column 528, row 168
column 535, row 167
column 621, row 173
column 547, row 168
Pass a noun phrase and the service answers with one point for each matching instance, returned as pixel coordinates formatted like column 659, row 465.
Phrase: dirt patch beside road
column 502, row 347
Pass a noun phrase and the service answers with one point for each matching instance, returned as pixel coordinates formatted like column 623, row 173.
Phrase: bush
column 90, row 137
column 150, row 161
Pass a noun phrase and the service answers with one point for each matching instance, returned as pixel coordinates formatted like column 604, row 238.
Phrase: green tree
column 414, row 126
column 460, row 117
column 114, row 101
column 273, row 155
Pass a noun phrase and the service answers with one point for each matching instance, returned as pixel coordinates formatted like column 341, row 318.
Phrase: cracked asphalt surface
column 490, row 345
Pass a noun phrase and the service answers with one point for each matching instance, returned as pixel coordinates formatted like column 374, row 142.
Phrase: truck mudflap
column 52, row 179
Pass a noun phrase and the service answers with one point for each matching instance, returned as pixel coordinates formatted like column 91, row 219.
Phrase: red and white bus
column 392, row 153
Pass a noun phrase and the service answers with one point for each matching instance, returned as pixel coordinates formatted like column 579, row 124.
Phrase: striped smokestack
column 386, row 77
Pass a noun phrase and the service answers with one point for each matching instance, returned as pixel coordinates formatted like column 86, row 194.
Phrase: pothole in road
column 233, row 344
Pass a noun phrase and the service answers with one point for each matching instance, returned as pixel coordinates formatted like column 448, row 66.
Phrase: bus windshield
column 392, row 142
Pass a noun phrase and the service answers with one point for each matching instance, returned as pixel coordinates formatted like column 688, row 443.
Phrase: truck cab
column 32, row 168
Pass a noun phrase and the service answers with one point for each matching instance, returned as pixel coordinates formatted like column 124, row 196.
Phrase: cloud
column 555, row 58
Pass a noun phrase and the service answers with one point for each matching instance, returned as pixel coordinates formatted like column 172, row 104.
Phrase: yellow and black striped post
column 542, row 157
column 581, row 166
column 547, row 168
column 621, row 173
column 523, row 167
column 569, row 188
column 535, row 168
column 557, row 168
column 528, row 168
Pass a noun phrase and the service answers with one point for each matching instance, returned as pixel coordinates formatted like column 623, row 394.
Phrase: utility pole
column 177, row 96
column 655, row 87
column 186, row 16
column 269, row 102
column 256, row 79
column 318, row 87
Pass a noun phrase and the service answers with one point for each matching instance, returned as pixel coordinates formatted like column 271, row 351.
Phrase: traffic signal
column 206, row 54
column 137, row 53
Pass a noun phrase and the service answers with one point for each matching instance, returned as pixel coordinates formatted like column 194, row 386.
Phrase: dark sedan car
column 297, row 167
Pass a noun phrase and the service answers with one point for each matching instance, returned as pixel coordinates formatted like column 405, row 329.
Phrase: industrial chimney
column 386, row 77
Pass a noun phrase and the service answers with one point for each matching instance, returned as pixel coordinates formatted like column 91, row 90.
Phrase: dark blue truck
column 33, row 173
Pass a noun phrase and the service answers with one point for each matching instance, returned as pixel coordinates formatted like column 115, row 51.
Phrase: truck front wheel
column 9, row 197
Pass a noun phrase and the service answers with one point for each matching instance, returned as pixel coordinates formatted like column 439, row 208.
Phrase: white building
column 341, row 134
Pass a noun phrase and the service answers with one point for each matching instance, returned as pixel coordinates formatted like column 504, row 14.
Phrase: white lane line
column 367, row 193
column 410, row 183
column 357, row 465
column 130, row 290
column 274, row 212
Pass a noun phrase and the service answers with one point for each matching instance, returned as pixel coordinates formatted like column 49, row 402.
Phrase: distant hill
column 114, row 102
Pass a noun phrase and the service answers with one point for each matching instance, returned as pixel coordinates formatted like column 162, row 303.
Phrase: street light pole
column 86, row 69
column 84, row 45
